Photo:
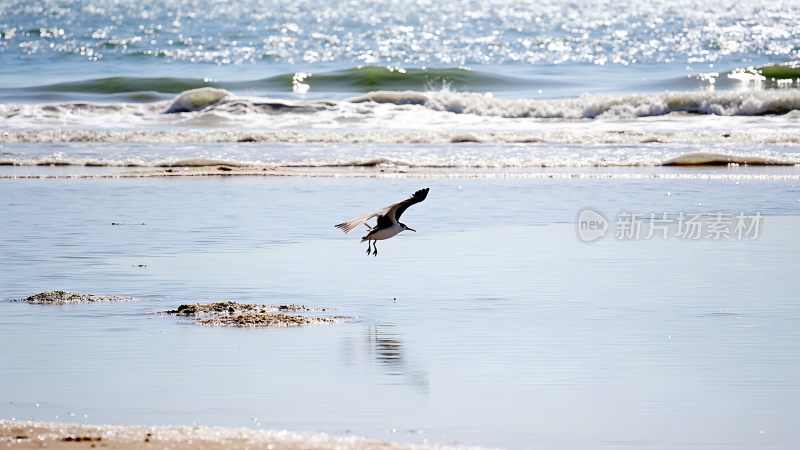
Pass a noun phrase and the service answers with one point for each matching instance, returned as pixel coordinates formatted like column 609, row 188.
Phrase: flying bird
column 388, row 225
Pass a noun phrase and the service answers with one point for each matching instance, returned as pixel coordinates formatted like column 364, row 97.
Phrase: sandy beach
column 36, row 435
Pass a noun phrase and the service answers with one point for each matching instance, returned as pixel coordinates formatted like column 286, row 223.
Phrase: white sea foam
column 214, row 115
column 609, row 134
column 211, row 101
column 726, row 103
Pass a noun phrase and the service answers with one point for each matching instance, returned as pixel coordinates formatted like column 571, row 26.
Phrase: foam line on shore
column 375, row 172
column 787, row 136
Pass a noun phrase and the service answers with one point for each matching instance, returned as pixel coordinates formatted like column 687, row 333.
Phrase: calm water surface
column 493, row 325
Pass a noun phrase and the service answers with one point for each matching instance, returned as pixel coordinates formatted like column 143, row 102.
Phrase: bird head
column 404, row 227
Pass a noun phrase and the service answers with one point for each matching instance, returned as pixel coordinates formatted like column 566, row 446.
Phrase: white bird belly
column 383, row 234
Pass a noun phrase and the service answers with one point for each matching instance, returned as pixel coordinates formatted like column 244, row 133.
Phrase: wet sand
column 700, row 170
column 28, row 435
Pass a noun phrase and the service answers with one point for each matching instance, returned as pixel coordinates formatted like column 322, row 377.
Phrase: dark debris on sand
column 68, row 298
column 229, row 313
column 82, row 439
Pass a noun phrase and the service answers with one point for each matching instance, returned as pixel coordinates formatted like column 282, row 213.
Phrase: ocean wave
column 729, row 103
column 726, row 103
column 464, row 118
column 787, row 71
column 768, row 76
column 120, row 85
column 764, row 77
column 357, row 79
column 374, row 78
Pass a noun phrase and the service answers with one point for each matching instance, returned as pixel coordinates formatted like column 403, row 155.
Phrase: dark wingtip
column 421, row 194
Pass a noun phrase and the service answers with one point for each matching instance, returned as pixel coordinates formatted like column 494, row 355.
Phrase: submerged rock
column 464, row 138
column 67, row 298
column 228, row 313
column 197, row 99
column 268, row 320
column 230, row 307
column 719, row 159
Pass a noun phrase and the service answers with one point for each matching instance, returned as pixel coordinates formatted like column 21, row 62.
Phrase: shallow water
column 493, row 325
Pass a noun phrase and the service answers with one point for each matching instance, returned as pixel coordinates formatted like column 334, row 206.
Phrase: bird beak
column 411, row 229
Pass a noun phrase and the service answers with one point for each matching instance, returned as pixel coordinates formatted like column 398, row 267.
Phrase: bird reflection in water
column 386, row 346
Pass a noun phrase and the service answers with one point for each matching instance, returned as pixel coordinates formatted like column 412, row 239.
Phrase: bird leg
column 369, row 247
column 375, row 246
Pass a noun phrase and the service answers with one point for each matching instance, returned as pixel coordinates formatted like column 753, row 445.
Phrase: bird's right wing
column 399, row 208
column 352, row 224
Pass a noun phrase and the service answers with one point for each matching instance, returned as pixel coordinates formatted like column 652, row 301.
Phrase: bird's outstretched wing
column 391, row 212
column 399, row 208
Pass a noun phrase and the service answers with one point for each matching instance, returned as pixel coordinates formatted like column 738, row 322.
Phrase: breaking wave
column 196, row 103
column 377, row 78
column 729, row 103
